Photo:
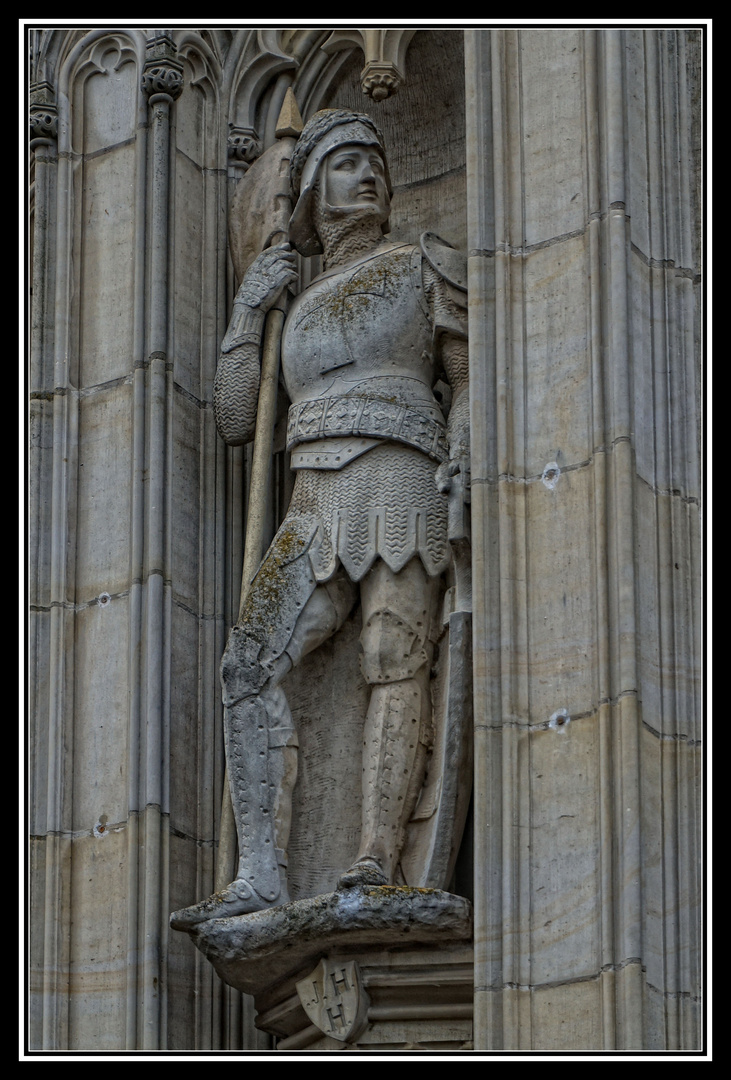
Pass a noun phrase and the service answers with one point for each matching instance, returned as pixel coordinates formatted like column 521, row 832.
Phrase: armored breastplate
column 363, row 329
column 358, row 365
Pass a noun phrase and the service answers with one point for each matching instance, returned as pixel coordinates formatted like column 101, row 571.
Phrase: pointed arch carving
column 81, row 57
column 204, row 77
column 203, row 58
column 80, row 49
column 49, row 48
column 253, row 70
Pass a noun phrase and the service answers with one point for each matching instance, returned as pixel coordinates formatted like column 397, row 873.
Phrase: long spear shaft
column 262, row 452
column 289, row 124
column 255, row 531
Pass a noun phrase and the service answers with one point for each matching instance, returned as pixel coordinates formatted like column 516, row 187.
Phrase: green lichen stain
column 264, row 601
column 403, row 890
column 349, row 300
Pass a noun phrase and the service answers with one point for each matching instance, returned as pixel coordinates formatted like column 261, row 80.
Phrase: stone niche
column 395, row 969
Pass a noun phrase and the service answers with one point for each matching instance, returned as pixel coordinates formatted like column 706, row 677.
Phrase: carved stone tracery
column 43, row 112
column 163, row 72
column 243, row 145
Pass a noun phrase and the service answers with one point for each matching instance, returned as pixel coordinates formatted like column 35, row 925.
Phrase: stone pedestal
column 376, row 967
column 416, row 999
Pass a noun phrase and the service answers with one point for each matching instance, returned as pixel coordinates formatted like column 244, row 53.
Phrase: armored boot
column 394, row 765
column 261, row 750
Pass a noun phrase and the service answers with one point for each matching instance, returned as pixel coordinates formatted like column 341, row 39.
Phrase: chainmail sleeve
column 236, row 394
column 449, row 318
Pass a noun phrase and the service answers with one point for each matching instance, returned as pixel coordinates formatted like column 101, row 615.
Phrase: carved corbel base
column 367, row 968
column 415, row 999
column 380, row 79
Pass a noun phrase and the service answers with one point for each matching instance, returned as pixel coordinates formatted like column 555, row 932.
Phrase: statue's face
column 354, row 177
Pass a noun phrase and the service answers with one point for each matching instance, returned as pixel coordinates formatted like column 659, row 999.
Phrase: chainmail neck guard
column 344, row 238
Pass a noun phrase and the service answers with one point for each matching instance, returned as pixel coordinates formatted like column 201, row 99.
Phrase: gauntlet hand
column 453, row 474
column 268, row 275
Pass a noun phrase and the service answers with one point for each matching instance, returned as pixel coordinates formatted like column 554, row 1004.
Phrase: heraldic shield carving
column 335, row 1000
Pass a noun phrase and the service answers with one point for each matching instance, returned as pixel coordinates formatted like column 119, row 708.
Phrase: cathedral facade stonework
column 475, row 642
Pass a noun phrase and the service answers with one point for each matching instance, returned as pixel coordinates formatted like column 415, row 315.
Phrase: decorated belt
column 368, row 417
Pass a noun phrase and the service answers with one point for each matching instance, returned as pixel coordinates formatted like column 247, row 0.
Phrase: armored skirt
column 385, row 505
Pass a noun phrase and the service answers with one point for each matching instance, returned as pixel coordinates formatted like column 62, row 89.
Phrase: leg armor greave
column 394, row 758
column 261, row 749
column 396, row 663
column 286, row 616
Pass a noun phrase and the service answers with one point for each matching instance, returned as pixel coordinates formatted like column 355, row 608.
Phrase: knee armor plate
column 392, row 649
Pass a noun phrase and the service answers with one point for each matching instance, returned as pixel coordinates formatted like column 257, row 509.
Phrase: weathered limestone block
column 568, row 1014
column 189, row 267
column 108, row 236
column 565, row 857
column 40, row 445
column 186, row 499
column 665, row 379
column 191, row 981
column 190, row 801
column 100, row 715
column 560, row 586
column 671, row 767
column 101, row 528
column 557, row 372
column 668, row 529
column 99, row 973
column 553, row 170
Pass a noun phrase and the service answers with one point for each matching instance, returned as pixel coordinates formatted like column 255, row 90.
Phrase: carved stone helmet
column 323, row 133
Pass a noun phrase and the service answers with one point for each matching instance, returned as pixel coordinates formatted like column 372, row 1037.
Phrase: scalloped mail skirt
column 385, row 504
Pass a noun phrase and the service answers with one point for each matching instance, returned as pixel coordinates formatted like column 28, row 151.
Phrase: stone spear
column 259, row 218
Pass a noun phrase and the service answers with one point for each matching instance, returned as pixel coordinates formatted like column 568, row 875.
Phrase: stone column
column 150, row 599
column 48, row 411
column 100, row 492
column 585, row 537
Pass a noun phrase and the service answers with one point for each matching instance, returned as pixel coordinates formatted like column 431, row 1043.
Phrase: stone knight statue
column 376, row 466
